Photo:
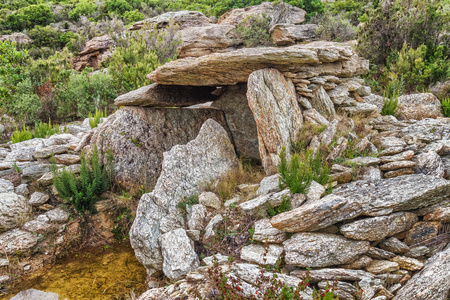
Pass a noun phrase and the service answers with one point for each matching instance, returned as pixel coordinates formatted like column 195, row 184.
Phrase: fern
column 83, row 191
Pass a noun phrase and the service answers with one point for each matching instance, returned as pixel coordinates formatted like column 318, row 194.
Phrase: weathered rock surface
column 239, row 117
column 429, row 163
column 280, row 13
column 184, row 19
column 331, row 274
column 432, row 282
column 269, row 184
column 234, row 67
column 14, row 209
column 38, row 198
column 138, row 136
column 178, row 253
column 407, row 263
column 264, row 231
column 211, row 227
column 374, row 198
column 203, row 40
column 49, row 151
column 317, row 250
column 395, row 165
column 377, row 228
column 185, row 168
column 394, row 245
column 17, row 37
column 419, row 106
column 196, row 215
column 422, row 231
column 289, row 34
column 210, row 199
column 17, row 240
column 260, row 255
column 382, row 266
column 278, row 116
column 35, row 295
column 95, row 52
column 157, row 95
column 258, row 206
column 322, row 102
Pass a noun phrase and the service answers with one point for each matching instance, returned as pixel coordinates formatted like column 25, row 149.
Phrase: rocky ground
column 381, row 233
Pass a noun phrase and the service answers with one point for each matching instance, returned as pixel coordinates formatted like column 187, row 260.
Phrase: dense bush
column 47, row 37
column 77, row 95
column 414, row 22
column 30, row 16
column 334, row 27
column 255, row 31
column 83, row 8
column 12, row 69
column 84, row 190
column 141, row 54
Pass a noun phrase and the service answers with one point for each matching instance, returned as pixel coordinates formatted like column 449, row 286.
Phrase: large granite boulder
column 432, row 282
column 273, row 101
column 138, row 136
column 239, row 117
column 184, row 19
column 229, row 68
column 370, row 198
column 419, row 106
column 184, row 170
column 279, row 13
column 157, row 95
column 14, row 210
column 95, row 52
column 199, row 41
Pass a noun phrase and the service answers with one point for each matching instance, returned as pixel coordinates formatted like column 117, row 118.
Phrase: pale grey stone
column 377, row 228
column 212, row 225
column 6, row 186
column 429, row 163
column 322, row 103
column 332, row 274
column 382, row 266
column 327, row 136
column 22, row 189
column 364, row 161
column 364, row 109
column 371, row 174
column 315, row 191
column 196, row 215
column 407, row 155
column 178, row 253
column 36, row 171
column 314, row 117
column 318, row 250
column 395, row 165
column 39, row 225
column 258, row 206
column 269, row 184
column 38, row 198
column 14, row 209
column 408, row 263
column 265, row 232
column 32, row 294
column 58, row 215
column 185, row 169
column 259, row 254
column 394, row 245
column 210, row 199
column 17, row 240
column 49, row 151
column 221, row 259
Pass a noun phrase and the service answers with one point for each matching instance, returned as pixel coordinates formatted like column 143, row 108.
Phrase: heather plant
column 44, row 130
column 390, row 106
column 446, row 106
column 334, row 27
column 20, row 135
column 97, row 117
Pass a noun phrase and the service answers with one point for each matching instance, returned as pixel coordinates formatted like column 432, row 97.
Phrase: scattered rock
column 17, row 241
column 395, row 165
column 431, row 282
column 322, row 103
column 394, row 245
column 265, row 232
column 269, row 184
column 38, row 198
column 382, row 266
column 196, row 215
column 332, row 274
column 209, row 230
column 95, row 52
column 14, row 209
column 184, row 19
column 419, row 106
column 429, row 163
column 407, row 263
column 210, row 199
column 422, row 231
column 260, row 255
column 58, row 215
column 399, row 172
column 290, row 34
column 35, row 295
column 377, row 228
column 318, row 250
column 327, row 136
column 407, row 155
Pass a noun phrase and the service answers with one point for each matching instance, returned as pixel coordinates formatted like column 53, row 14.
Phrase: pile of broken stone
column 382, row 234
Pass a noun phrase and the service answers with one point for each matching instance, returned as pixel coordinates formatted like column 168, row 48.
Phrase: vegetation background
column 407, row 42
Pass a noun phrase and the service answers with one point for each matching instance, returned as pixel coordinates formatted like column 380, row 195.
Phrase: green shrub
column 334, row 27
column 255, row 31
column 118, row 7
column 25, row 105
column 446, row 106
column 46, row 37
column 79, row 94
column 284, row 207
column 44, row 130
column 390, row 106
column 142, row 53
column 296, row 175
column 97, row 118
column 83, row 8
column 12, row 69
column 132, row 16
column 189, row 201
column 84, row 190
column 21, row 135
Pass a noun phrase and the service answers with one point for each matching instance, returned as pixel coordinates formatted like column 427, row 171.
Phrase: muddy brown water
column 110, row 272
